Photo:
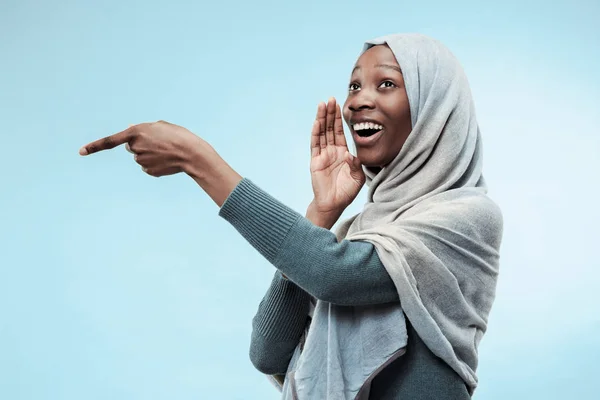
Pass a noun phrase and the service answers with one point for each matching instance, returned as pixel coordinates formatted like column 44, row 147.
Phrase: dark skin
column 377, row 92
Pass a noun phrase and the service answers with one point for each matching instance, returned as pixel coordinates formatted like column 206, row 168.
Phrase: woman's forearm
column 340, row 272
column 285, row 307
column 278, row 325
column 320, row 219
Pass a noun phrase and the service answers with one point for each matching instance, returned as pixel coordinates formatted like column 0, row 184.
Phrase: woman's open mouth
column 366, row 133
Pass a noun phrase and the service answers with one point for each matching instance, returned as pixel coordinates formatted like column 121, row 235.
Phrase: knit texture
column 263, row 223
column 277, row 326
column 344, row 273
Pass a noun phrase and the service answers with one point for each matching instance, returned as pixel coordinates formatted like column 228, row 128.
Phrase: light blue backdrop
column 117, row 285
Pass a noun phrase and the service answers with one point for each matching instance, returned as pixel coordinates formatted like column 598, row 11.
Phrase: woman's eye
column 353, row 86
column 387, row 84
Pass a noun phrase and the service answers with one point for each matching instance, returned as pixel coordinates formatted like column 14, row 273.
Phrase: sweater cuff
column 279, row 319
column 261, row 219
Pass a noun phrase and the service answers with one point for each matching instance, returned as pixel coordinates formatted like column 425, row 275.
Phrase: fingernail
column 83, row 151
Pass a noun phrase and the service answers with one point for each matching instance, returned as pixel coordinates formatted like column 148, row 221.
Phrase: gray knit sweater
column 344, row 273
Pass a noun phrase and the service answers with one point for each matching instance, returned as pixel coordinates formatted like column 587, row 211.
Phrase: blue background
column 117, row 285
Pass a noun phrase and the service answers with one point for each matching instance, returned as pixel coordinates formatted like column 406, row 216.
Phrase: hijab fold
column 435, row 230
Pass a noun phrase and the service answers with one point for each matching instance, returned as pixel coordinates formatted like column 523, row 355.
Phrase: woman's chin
column 367, row 161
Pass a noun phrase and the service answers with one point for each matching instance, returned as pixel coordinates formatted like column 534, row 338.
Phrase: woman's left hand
column 161, row 148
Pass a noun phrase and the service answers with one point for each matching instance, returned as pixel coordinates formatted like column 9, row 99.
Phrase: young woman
column 392, row 305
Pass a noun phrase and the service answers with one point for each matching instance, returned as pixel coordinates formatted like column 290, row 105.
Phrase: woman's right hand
column 337, row 176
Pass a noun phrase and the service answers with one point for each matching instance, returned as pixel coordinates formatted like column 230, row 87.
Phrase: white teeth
column 367, row 125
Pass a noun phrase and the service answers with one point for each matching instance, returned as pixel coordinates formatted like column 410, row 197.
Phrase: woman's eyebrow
column 387, row 66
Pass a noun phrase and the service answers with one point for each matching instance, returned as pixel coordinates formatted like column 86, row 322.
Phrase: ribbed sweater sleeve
column 344, row 273
column 277, row 326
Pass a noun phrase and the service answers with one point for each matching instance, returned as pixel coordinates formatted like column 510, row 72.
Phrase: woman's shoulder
column 467, row 210
column 475, row 203
column 466, row 201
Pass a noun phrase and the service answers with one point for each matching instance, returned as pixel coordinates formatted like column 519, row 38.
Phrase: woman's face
column 377, row 99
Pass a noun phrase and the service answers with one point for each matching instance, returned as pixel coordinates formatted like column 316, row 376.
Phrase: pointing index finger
column 108, row 142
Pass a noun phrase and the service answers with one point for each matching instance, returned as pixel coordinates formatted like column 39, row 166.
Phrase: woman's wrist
column 212, row 174
column 323, row 219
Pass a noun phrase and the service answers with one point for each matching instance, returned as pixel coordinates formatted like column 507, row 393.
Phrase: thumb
column 353, row 162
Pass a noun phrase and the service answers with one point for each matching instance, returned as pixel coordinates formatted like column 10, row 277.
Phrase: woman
column 394, row 304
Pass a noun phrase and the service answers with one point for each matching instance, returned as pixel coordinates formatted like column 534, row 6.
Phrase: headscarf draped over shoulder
column 435, row 230
column 428, row 214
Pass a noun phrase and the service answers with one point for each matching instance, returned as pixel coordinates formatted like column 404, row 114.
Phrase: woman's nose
column 361, row 101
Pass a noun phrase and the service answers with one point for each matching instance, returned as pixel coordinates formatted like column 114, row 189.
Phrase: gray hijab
column 435, row 230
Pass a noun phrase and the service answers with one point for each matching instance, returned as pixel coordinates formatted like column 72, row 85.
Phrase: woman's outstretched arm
column 344, row 273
